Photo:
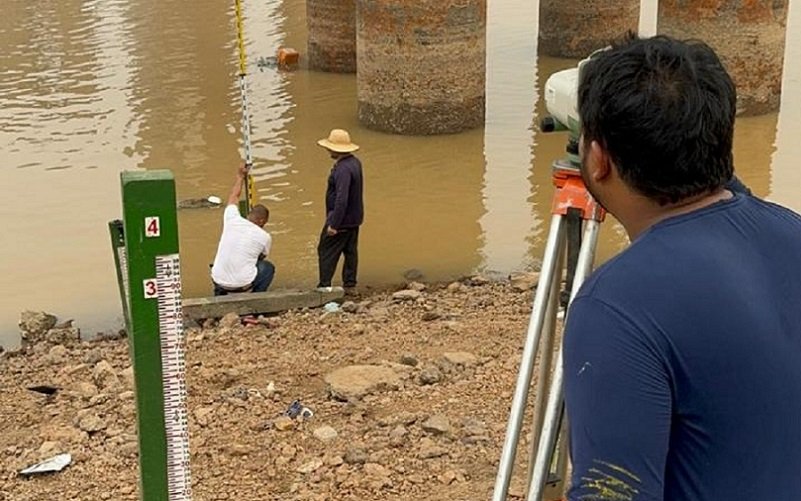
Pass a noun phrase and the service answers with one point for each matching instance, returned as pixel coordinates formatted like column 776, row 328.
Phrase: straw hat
column 339, row 141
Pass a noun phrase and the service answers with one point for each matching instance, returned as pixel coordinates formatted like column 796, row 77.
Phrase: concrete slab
column 254, row 303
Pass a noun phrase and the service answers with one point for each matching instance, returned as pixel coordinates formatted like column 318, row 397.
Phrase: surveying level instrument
column 145, row 245
column 569, row 250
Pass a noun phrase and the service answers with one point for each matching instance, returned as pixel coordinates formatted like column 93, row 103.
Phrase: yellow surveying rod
column 249, row 185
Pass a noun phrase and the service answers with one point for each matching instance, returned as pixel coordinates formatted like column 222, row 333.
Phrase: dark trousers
column 330, row 248
column 265, row 271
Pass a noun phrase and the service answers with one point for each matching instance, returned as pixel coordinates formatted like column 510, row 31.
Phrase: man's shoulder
column 231, row 212
column 352, row 161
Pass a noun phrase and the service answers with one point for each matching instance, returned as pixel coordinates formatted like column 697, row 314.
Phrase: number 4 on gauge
column 152, row 227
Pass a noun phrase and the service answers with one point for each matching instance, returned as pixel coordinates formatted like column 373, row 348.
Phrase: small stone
column 334, row 461
column 203, row 415
column 284, row 423
column 91, row 423
column 438, row 425
column 397, row 437
column 522, row 282
column 406, row 295
column 358, row 330
column 355, row 455
column 430, row 450
column 128, row 449
column 99, row 399
column 86, row 390
column 230, row 320
column 375, row 470
column 478, row 280
column 325, row 433
column 127, row 376
column 67, row 335
column 126, row 395
column 448, row 477
column 416, row 286
column 270, row 322
column 34, row 325
column 430, row 316
column 415, row 479
column 409, row 359
column 474, row 427
column 56, row 354
column 356, row 381
column 455, row 287
column 378, row 312
column 92, row 357
column 104, row 375
column 403, row 418
column 460, row 358
column 349, row 307
column 476, row 439
column 429, row 375
column 310, row 466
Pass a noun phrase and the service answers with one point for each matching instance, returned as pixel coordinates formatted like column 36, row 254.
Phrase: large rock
column 65, row 335
column 356, row 381
column 34, row 325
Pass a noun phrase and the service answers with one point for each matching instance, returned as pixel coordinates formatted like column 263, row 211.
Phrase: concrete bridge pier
column 575, row 28
column 421, row 65
column 748, row 35
column 332, row 35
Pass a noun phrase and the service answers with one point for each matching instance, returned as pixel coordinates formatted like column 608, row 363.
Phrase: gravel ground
column 410, row 392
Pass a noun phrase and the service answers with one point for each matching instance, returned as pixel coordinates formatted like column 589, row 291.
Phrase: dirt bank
column 428, row 426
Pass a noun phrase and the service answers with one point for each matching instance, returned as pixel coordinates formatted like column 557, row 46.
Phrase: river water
column 90, row 88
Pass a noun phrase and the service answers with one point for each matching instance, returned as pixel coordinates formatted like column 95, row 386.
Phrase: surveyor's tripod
column 573, row 207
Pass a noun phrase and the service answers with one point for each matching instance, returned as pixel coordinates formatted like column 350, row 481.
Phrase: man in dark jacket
column 344, row 208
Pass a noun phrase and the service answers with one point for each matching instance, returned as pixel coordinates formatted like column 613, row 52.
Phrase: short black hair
column 664, row 110
column 260, row 212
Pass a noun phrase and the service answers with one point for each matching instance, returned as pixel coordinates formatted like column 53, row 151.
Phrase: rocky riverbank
column 409, row 390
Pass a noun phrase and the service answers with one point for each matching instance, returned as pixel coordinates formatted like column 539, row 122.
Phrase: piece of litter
column 332, row 307
column 298, row 409
column 214, row 200
column 55, row 463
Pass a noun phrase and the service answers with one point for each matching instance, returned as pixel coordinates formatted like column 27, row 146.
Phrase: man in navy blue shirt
column 682, row 355
column 344, row 207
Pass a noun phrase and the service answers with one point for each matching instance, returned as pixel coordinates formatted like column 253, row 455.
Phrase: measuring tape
column 243, row 91
column 173, row 363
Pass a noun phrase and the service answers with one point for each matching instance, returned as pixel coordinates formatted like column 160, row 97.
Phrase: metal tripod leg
column 555, row 407
column 553, row 250
column 546, row 362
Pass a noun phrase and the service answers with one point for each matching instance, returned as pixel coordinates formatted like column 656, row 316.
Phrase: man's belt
column 244, row 288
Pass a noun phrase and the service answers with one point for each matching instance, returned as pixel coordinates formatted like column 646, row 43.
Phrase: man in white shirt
column 241, row 263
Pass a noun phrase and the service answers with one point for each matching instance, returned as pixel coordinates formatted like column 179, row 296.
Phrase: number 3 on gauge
column 151, row 290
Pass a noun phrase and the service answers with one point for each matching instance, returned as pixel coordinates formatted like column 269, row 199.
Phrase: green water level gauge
column 156, row 333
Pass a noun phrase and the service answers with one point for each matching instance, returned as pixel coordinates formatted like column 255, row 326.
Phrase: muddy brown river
column 92, row 88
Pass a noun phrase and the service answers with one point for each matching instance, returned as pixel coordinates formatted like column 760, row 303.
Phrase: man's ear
column 599, row 165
